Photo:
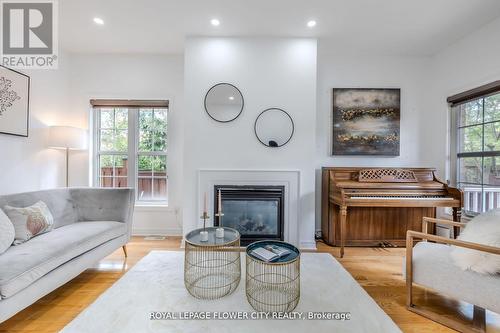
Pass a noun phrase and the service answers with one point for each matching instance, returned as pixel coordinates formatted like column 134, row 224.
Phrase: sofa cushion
column 30, row 221
column 7, row 232
column 434, row 269
column 482, row 229
column 60, row 203
column 23, row 264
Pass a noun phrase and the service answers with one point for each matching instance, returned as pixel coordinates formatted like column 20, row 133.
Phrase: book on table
column 270, row 252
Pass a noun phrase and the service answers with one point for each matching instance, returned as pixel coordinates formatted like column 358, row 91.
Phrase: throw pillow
column 7, row 232
column 482, row 229
column 30, row 221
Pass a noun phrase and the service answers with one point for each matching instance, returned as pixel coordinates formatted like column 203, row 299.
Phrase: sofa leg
column 124, row 247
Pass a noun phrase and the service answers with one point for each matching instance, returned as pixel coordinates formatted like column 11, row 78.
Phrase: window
column 478, row 152
column 112, row 138
column 151, row 154
column 130, row 144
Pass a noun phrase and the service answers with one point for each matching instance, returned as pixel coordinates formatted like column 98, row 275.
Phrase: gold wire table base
column 272, row 287
column 212, row 270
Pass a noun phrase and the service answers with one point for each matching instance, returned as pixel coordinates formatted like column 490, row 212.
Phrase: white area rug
column 156, row 284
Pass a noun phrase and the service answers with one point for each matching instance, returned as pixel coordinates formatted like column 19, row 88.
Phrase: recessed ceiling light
column 311, row 23
column 98, row 20
column 215, row 22
column 231, row 98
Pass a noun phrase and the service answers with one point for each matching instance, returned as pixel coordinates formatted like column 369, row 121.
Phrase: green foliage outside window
column 481, row 134
column 152, row 138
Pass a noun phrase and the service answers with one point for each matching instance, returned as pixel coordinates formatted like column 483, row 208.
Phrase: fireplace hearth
column 257, row 212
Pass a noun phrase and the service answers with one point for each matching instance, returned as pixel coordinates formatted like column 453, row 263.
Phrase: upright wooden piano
column 376, row 206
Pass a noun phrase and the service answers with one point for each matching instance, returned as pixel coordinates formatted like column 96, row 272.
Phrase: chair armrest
column 427, row 220
column 411, row 235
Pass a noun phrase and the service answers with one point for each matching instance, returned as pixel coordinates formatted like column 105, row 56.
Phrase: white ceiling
column 412, row 27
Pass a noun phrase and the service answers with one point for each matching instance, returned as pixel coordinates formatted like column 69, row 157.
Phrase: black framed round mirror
column 224, row 102
column 274, row 127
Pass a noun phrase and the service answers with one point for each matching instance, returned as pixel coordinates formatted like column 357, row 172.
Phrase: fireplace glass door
column 256, row 212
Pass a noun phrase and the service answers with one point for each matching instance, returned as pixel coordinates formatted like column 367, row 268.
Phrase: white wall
column 343, row 70
column 26, row 164
column 425, row 84
column 134, row 77
column 61, row 97
column 469, row 63
column 270, row 72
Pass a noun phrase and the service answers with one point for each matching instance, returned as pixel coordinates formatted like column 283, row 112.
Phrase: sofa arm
column 104, row 204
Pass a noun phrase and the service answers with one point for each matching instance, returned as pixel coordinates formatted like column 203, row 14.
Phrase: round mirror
column 274, row 127
column 224, row 102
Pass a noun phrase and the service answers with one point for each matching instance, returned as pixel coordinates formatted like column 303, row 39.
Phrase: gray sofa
column 89, row 224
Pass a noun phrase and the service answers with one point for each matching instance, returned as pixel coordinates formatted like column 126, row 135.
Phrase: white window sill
column 142, row 207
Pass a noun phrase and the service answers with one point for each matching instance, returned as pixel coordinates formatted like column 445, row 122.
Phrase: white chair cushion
column 434, row 269
column 482, row 229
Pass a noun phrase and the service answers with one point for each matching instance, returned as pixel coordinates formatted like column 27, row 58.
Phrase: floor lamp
column 67, row 138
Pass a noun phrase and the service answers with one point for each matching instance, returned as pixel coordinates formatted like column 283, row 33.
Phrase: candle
column 219, row 232
column 219, row 207
column 204, row 236
column 205, row 204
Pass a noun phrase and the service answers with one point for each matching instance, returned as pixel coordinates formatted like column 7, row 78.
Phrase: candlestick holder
column 220, row 215
column 205, row 217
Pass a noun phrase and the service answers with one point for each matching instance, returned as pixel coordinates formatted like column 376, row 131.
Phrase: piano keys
column 374, row 206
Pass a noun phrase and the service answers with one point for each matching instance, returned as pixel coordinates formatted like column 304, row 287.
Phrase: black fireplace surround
column 257, row 212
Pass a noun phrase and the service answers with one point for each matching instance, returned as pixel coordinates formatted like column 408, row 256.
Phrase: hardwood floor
column 377, row 270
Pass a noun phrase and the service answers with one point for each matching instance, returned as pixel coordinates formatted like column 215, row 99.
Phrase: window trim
column 455, row 102
column 483, row 91
column 130, row 103
column 132, row 152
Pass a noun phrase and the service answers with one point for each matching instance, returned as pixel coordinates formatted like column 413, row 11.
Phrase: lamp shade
column 63, row 137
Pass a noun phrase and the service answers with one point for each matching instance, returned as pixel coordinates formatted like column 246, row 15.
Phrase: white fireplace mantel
column 290, row 179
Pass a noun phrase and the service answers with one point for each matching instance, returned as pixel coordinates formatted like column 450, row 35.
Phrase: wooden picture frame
column 14, row 102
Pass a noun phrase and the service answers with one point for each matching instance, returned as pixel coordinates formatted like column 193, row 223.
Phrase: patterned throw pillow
column 7, row 232
column 30, row 221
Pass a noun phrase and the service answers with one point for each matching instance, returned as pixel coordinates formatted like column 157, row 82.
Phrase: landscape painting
column 366, row 121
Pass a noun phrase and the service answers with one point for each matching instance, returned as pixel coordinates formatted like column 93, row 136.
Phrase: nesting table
column 212, row 269
column 273, row 286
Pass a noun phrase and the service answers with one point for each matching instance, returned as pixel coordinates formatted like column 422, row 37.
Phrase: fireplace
column 257, row 212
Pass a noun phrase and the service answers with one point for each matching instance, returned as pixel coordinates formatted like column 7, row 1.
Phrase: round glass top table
column 212, row 268
column 194, row 237
column 273, row 286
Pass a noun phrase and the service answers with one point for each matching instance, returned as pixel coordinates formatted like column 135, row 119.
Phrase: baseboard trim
column 307, row 245
column 156, row 232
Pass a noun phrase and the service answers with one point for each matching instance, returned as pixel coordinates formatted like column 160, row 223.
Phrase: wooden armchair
column 428, row 264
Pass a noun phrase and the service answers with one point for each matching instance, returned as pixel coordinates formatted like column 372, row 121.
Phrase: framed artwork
column 366, row 121
column 14, row 102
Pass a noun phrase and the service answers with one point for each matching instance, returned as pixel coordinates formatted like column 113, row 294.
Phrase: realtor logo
column 29, row 34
